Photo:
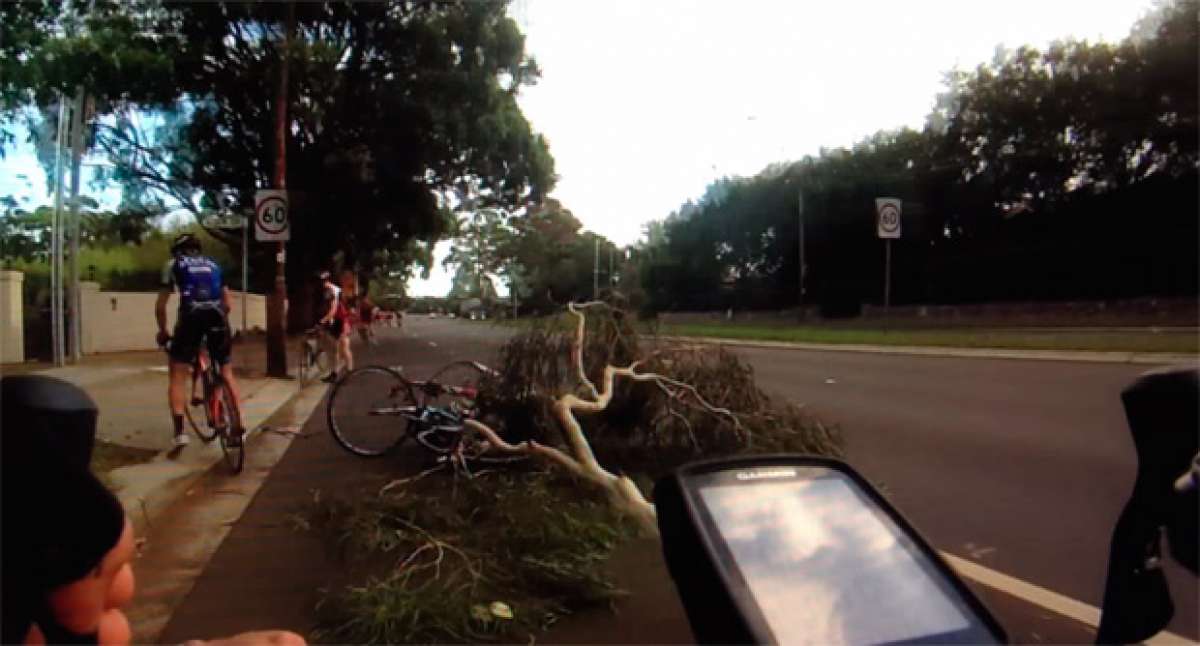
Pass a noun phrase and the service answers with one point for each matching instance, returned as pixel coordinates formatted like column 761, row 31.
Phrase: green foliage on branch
column 436, row 555
column 646, row 429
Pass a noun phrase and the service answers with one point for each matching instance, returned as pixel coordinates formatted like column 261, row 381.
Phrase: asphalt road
column 1020, row 466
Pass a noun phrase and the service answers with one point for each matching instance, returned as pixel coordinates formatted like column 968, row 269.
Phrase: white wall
column 117, row 321
column 12, row 324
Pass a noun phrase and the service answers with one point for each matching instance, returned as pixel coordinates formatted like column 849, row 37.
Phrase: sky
column 645, row 102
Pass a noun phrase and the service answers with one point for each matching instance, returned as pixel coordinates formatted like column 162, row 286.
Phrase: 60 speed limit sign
column 887, row 212
column 271, row 216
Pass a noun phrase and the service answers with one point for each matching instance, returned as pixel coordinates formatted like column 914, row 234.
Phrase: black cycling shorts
column 204, row 323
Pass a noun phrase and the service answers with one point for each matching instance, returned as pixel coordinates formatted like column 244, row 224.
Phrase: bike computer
column 796, row 549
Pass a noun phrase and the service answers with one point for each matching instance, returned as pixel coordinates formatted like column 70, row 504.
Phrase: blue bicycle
column 374, row 409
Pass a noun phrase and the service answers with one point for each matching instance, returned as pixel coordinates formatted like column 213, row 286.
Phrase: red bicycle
column 213, row 412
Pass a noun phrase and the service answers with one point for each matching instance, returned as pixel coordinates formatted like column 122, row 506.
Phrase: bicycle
column 215, row 407
column 313, row 360
column 366, row 400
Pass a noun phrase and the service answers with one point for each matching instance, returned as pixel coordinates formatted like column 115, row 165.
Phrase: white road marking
column 1048, row 599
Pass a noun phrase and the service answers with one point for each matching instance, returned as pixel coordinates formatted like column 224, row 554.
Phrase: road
column 1019, row 466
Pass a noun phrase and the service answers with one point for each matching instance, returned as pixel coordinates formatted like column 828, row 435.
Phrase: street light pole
column 612, row 279
column 245, row 266
column 77, row 122
column 57, row 333
column 803, row 267
column 596, row 272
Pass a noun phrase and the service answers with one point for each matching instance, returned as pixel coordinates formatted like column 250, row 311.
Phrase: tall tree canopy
column 393, row 107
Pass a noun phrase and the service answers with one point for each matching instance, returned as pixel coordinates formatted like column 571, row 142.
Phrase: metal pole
column 887, row 281
column 803, row 267
column 245, row 266
column 596, row 272
column 76, row 155
column 276, row 312
column 56, row 244
column 612, row 279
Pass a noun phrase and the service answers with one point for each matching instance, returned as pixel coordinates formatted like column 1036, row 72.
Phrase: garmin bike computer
column 796, row 549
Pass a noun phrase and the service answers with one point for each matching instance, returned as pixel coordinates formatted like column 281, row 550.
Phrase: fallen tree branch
column 579, row 459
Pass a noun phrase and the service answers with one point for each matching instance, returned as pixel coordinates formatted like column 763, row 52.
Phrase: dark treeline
column 1069, row 173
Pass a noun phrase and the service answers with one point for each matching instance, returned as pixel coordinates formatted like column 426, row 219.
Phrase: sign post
column 240, row 221
column 245, row 266
column 57, row 328
column 887, row 225
column 271, row 224
column 271, row 216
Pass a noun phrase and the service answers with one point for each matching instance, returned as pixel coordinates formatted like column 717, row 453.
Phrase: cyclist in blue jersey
column 204, row 302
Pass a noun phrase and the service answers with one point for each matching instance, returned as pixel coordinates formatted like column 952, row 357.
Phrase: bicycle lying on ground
column 211, row 409
column 374, row 409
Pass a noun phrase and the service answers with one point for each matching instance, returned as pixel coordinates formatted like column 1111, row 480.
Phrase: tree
column 393, row 106
column 476, row 253
column 552, row 258
column 1063, row 173
column 24, row 235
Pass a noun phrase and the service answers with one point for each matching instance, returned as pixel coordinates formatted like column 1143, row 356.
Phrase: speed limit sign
column 887, row 212
column 271, row 216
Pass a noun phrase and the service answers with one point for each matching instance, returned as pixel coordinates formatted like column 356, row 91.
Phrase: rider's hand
column 162, row 338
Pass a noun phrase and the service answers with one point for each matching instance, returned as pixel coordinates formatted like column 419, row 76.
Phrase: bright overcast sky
column 645, row 102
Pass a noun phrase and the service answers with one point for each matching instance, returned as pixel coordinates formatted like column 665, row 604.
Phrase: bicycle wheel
column 370, row 410
column 229, row 418
column 194, row 408
column 461, row 381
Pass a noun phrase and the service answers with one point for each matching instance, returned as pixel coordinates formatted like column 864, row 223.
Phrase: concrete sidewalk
column 130, row 389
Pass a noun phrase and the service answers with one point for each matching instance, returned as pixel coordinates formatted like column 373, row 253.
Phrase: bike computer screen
column 808, row 553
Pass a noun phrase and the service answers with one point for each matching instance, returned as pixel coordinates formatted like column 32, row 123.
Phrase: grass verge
column 495, row 558
column 1049, row 339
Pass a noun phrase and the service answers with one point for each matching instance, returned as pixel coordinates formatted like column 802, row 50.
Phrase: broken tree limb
column 579, row 459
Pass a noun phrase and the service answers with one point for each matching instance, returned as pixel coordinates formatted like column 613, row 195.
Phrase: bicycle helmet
column 184, row 243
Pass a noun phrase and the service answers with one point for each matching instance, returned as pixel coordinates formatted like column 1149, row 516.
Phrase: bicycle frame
column 208, row 374
column 423, row 415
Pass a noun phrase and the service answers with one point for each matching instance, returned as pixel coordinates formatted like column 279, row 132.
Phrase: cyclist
column 204, row 302
column 335, row 321
column 367, row 312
